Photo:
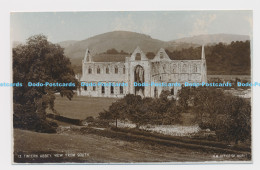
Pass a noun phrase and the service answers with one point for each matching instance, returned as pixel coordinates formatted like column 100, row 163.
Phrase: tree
column 112, row 51
column 143, row 111
column 133, row 110
column 184, row 96
column 122, row 52
column 150, row 55
column 39, row 61
column 117, row 110
column 229, row 116
column 226, row 59
column 236, row 124
column 173, row 114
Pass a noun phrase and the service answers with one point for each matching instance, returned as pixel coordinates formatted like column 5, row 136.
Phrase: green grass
column 81, row 107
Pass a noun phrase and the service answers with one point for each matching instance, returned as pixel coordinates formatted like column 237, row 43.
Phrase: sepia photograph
column 132, row 87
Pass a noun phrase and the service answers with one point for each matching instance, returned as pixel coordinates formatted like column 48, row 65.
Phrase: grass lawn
column 81, row 107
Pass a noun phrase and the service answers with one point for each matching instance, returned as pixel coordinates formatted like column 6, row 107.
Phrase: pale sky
column 162, row 25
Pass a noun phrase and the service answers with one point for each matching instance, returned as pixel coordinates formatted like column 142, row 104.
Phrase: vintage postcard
column 153, row 87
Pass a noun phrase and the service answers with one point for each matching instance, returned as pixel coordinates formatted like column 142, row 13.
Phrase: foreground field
column 81, row 107
column 90, row 148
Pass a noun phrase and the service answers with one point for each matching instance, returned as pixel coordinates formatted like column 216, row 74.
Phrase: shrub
column 31, row 122
column 143, row 111
column 89, row 119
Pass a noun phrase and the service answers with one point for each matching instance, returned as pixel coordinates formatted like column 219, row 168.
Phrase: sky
column 162, row 25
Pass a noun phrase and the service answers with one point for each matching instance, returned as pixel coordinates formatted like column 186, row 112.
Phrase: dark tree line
column 227, row 59
column 114, row 51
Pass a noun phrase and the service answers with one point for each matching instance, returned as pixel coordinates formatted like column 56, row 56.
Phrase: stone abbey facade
column 138, row 68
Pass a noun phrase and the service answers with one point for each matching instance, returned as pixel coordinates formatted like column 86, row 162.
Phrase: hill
column 66, row 44
column 213, row 39
column 119, row 40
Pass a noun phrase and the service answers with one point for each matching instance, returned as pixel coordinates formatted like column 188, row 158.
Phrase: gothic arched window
column 121, row 89
column 89, row 70
column 137, row 56
column 164, row 67
column 195, row 68
column 174, row 68
column 172, row 91
column 107, row 70
column 116, row 69
column 112, row 89
column 184, row 68
column 103, row 90
column 124, row 70
column 161, row 55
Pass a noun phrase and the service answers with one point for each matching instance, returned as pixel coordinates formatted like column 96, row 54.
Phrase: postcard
column 139, row 87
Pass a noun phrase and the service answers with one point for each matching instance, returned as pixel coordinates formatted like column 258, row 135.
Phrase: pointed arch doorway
column 139, row 78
